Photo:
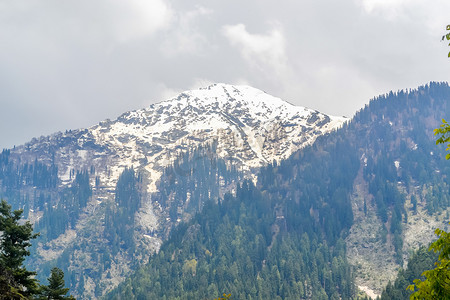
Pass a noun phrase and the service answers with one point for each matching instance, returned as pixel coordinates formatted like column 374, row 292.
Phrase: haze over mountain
column 236, row 186
column 251, row 127
column 339, row 215
column 366, row 196
column 68, row 182
column 71, row 64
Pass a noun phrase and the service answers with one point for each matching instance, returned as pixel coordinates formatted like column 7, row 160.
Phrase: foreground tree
column 437, row 282
column 8, row 286
column 447, row 36
column 444, row 135
column 16, row 282
column 55, row 288
column 224, row 297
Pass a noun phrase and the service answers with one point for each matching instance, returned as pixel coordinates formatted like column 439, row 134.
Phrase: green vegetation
column 429, row 282
column 293, row 220
column 119, row 220
column 55, row 289
column 62, row 211
column 224, row 297
column 444, row 135
column 15, row 240
column 241, row 246
column 283, row 237
column 429, row 271
column 420, row 261
column 447, row 36
column 437, row 282
column 195, row 177
column 16, row 282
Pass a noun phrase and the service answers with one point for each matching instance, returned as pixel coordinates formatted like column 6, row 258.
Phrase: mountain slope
column 377, row 182
column 398, row 190
column 68, row 182
column 239, row 246
column 251, row 127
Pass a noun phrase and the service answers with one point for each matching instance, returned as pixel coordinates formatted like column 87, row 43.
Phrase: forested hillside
column 74, row 185
column 420, row 261
column 194, row 177
column 240, row 246
column 380, row 167
column 342, row 213
column 400, row 191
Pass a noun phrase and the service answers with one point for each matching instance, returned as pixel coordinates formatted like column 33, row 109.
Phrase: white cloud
column 424, row 12
column 164, row 93
column 185, row 35
column 392, row 6
column 134, row 19
column 69, row 64
column 257, row 49
column 200, row 83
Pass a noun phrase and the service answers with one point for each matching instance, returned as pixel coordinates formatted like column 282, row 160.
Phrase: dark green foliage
column 312, row 188
column 81, row 189
column 436, row 284
column 119, row 219
column 61, row 207
column 16, row 282
column 62, row 212
column 27, row 185
column 14, row 243
column 420, row 261
column 194, row 178
column 400, row 153
column 55, row 288
column 37, row 174
column 447, row 36
column 9, row 288
column 239, row 246
column 127, row 194
column 387, row 146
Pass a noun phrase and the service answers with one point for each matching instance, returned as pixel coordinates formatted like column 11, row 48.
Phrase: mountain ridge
column 371, row 192
column 165, row 123
column 248, row 127
column 375, row 182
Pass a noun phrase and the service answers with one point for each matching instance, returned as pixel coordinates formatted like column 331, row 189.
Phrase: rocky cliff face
column 248, row 127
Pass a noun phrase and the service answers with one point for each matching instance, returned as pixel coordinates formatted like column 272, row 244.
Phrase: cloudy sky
column 70, row 64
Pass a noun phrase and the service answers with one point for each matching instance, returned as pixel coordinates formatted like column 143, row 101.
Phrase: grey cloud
column 71, row 64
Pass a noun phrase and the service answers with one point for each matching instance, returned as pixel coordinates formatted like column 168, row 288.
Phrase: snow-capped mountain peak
column 249, row 125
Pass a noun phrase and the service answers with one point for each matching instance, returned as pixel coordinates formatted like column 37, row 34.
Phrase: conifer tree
column 15, row 279
column 437, row 282
column 55, row 288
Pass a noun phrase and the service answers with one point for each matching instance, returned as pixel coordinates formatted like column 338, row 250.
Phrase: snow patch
column 368, row 291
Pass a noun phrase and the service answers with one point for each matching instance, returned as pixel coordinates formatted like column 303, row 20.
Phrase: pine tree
column 15, row 279
column 8, row 286
column 55, row 288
